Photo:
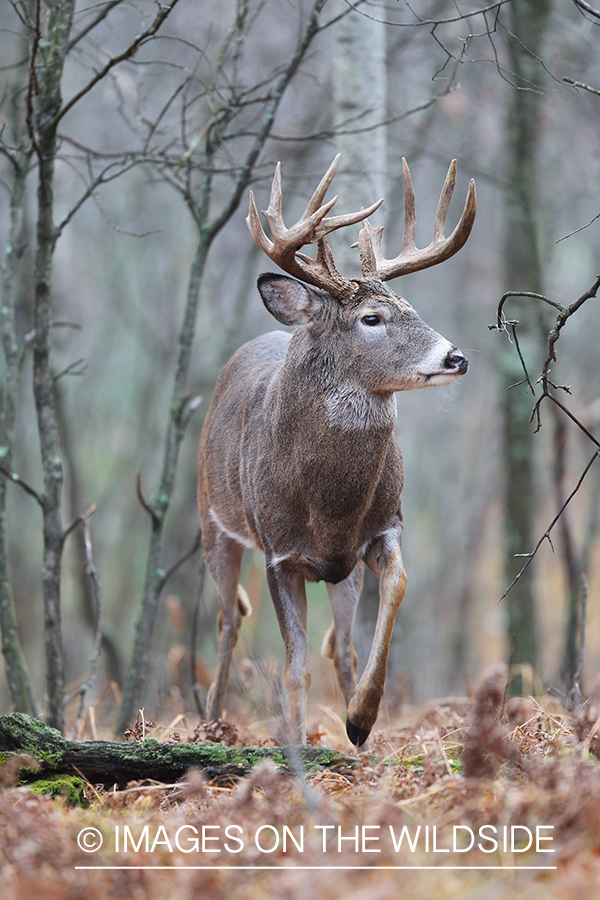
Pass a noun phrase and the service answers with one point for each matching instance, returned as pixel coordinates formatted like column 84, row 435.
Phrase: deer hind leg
column 337, row 643
column 385, row 559
column 289, row 598
column 224, row 562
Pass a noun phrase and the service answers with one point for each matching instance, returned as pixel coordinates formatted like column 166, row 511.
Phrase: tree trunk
column 179, row 416
column 46, row 99
column 522, row 271
column 360, row 85
column 112, row 762
column 21, row 693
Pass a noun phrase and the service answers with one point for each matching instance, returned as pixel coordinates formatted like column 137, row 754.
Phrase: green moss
column 22, row 734
column 70, row 787
column 415, row 762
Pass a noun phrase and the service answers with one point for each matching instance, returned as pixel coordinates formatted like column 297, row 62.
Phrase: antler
column 312, row 226
column 410, row 258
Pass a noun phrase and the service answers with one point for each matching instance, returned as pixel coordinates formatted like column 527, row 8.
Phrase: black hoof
column 357, row 735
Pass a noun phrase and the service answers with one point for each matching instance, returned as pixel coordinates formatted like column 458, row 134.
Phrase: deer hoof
column 358, row 736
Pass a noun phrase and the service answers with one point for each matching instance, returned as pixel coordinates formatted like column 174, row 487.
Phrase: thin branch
column 108, row 7
column 577, row 230
column 582, row 4
column 546, row 534
column 16, row 479
column 501, row 321
column 580, row 84
column 170, row 572
column 573, row 418
column 565, row 312
column 143, row 502
column 77, row 367
column 94, row 578
column 200, row 707
column 518, row 348
column 264, row 131
column 102, row 178
column 575, row 693
column 353, row 7
column 140, row 39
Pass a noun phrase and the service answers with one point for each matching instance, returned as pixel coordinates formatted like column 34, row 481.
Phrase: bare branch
column 140, row 39
column 16, row 479
column 565, row 312
column 77, row 367
column 501, row 322
column 143, row 502
column 171, row 571
column 586, row 7
column 546, row 534
column 580, row 84
column 104, row 12
column 577, row 230
column 93, row 574
column 354, row 7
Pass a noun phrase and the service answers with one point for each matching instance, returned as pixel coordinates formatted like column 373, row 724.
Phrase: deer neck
column 314, row 390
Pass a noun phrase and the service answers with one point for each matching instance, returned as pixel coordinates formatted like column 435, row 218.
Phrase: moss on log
column 113, row 762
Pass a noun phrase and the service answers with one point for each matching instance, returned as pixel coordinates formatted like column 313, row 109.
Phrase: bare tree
column 240, row 115
column 527, row 20
column 50, row 39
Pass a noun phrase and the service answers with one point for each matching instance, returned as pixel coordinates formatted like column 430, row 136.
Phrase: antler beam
column 312, row 227
column 410, row 258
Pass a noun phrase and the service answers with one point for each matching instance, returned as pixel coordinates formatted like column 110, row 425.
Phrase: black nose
column 456, row 360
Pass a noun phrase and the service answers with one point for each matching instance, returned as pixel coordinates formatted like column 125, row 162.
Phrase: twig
column 143, row 502
column 586, row 7
column 546, row 534
column 77, row 367
column 502, row 322
column 576, row 689
column 93, row 573
column 170, row 572
column 193, row 638
column 78, row 520
column 16, row 479
column 584, row 87
column 130, row 51
column 108, row 7
column 583, row 227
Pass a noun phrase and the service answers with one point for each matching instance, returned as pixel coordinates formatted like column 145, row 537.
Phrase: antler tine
column 410, row 258
column 409, row 241
column 273, row 213
column 322, row 188
column 463, row 228
column 256, row 230
column 444, row 203
column 334, row 222
column 312, row 226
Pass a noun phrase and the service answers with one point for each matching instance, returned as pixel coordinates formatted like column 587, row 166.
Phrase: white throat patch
column 354, row 409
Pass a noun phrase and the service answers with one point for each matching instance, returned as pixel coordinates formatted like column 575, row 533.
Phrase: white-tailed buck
column 297, row 456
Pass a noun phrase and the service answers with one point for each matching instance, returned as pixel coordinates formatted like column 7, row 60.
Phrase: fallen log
column 115, row 762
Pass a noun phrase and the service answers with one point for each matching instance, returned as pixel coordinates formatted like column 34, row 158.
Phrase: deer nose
column 456, row 360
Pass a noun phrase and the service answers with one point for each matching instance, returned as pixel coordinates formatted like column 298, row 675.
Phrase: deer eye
column 371, row 320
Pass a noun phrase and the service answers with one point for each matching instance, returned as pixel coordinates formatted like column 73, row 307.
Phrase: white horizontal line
column 324, row 868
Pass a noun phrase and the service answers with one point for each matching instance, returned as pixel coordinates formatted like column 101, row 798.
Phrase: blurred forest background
column 165, row 118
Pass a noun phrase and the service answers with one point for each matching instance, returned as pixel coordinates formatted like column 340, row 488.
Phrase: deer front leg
column 338, row 644
column 289, row 598
column 385, row 559
column 224, row 562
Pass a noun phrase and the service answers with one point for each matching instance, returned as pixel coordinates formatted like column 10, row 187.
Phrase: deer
column 297, row 455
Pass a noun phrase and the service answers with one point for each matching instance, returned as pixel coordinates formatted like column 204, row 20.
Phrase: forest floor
column 465, row 797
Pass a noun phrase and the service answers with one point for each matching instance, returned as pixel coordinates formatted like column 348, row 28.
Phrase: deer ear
column 290, row 301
